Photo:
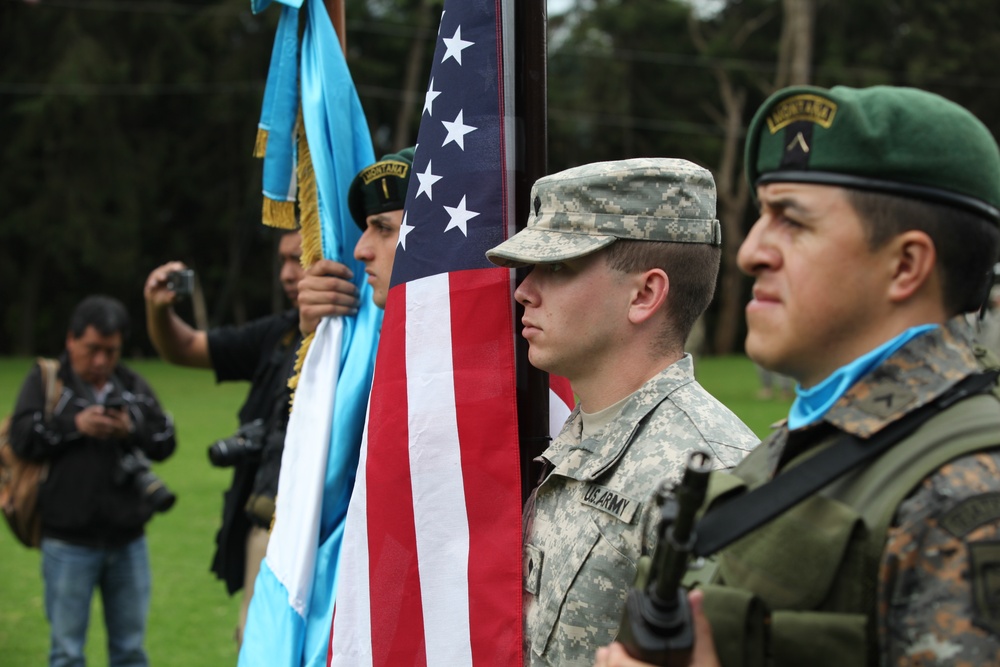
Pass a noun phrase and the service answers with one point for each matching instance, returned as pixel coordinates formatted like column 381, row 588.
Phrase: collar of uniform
column 914, row 375
column 588, row 458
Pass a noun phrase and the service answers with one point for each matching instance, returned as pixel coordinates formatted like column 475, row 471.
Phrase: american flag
column 431, row 563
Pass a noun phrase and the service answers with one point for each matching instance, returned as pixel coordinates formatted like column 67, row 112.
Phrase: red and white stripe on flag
column 440, row 570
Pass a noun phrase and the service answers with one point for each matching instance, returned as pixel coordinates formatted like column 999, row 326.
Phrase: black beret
column 901, row 141
column 380, row 187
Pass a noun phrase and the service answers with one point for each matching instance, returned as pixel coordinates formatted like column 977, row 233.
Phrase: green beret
column 380, row 187
column 901, row 141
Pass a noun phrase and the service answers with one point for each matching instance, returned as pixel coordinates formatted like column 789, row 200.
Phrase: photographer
column 99, row 492
column 263, row 352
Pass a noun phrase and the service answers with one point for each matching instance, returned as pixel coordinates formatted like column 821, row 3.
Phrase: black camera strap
column 743, row 514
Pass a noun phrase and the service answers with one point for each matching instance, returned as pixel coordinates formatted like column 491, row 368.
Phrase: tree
column 731, row 33
column 127, row 142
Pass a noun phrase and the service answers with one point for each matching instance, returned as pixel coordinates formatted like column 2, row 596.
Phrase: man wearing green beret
column 376, row 200
column 877, row 233
column 624, row 259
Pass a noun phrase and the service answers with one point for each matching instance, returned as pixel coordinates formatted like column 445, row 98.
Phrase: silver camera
column 181, row 282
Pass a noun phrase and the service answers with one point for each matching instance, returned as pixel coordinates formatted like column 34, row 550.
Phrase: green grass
column 191, row 617
column 733, row 380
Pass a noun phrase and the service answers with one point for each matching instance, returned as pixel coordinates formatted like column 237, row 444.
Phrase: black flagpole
column 532, row 145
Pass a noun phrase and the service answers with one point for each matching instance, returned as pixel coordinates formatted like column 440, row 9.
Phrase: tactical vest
column 801, row 590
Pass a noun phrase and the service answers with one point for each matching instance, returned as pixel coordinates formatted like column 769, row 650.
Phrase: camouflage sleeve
column 939, row 579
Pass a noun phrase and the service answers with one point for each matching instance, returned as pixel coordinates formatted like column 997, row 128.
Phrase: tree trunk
column 733, row 196
column 793, row 67
column 796, row 47
column 338, row 17
column 411, row 82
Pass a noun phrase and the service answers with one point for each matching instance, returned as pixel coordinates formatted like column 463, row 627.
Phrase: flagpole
column 532, row 109
column 338, row 16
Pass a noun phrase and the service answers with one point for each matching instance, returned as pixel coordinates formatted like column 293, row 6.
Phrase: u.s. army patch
column 984, row 560
column 607, row 500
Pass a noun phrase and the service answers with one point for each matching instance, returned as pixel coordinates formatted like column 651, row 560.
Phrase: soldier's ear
column 914, row 261
column 649, row 296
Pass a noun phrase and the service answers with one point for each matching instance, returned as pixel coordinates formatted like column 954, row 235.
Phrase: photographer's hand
column 121, row 423
column 95, row 422
column 155, row 290
column 326, row 290
column 174, row 339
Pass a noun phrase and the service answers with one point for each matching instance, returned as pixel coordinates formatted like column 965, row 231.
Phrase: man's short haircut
column 104, row 313
column 692, row 269
column 967, row 244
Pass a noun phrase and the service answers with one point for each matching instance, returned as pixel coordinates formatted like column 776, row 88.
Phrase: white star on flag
column 429, row 99
column 404, row 229
column 427, row 181
column 459, row 216
column 457, row 129
column 455, row 45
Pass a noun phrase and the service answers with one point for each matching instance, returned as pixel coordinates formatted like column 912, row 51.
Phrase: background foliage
column 126, row 127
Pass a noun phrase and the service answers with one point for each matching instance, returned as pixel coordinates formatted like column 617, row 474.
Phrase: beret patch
column 813, row 108
column 381, row 187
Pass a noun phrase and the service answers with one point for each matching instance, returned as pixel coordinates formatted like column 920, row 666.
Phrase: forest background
column 127, row 126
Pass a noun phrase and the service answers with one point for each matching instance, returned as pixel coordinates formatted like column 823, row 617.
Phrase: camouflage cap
column 901, row 141
column 581, row 210
column 380, row 187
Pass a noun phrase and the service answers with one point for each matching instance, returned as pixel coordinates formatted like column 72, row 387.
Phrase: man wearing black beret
column 376, row 200
column 877, row 233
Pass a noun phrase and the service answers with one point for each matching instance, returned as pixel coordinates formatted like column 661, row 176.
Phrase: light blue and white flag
column 288, row 622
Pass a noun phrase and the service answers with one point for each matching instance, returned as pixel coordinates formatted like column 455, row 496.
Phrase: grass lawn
column 192, row 618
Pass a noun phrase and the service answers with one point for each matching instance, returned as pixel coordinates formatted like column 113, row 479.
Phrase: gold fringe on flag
column 260, row 144
column 278, row 214
column 293, row 381
column 312, row 240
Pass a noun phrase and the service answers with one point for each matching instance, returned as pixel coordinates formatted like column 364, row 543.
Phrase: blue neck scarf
column 811, row 404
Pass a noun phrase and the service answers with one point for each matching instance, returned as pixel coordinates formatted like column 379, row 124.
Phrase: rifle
column 656, row 624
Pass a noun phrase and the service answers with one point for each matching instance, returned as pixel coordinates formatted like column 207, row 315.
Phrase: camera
column 247, row 441
column 114, row 404
column 181, row 282
column 133, row 468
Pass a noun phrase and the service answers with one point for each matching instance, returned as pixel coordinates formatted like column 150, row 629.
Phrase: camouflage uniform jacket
column 936, row 604
column 592, row 516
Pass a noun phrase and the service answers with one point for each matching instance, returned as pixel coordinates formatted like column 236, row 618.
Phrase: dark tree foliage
column 948, row 48
column 386, row 40
column 127, row 126
column 626, row 81
column 127, row 131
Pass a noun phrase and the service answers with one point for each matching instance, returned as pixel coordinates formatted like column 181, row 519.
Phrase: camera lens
column 226, row 452
column 245, row 443
column 156, row 492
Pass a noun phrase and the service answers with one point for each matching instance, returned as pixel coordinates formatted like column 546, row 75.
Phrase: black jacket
column 263, row 352
column 86, row 498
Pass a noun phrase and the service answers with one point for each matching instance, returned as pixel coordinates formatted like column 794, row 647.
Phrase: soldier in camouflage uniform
column 877, row 231
column 625, row 258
